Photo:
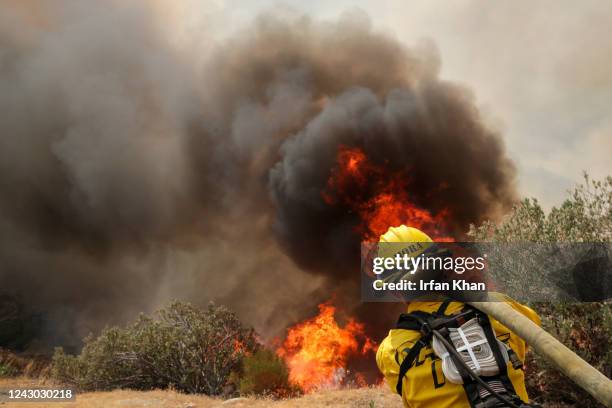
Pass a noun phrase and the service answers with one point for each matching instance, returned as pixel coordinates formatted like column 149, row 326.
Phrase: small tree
column 586, row 216
column 181, row 346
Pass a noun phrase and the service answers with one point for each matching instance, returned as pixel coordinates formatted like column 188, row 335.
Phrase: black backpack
column 482, row 392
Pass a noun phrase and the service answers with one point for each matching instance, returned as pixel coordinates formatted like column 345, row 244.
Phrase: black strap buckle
column 426, row 329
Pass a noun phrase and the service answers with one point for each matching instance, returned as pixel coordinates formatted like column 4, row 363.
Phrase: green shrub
column 265, row 373
column 586, row 328
column 585, row 216
column 183, row 347
column 7, row 370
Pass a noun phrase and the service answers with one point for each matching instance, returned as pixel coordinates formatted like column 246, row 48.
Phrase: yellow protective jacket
column 424, row 385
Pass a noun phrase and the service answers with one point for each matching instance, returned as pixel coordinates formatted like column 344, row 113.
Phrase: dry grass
column 32, row 366
column 354, row 398
column 375, row 397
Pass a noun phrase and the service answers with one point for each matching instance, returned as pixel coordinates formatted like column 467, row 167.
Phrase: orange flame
column 380, row 197
column 239, row 347
column 317, row 350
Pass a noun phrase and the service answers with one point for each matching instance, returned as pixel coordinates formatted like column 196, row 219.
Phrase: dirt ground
column 376, row 397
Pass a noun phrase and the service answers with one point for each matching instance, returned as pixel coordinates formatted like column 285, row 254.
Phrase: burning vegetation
column 317, row 351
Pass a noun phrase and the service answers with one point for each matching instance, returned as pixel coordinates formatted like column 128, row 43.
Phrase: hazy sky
column 541, row 71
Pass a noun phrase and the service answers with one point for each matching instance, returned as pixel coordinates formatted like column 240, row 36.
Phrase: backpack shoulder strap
column 407, row 363
column 415, row 321
column 485, row 322
column 412, row 320
column 442, row 309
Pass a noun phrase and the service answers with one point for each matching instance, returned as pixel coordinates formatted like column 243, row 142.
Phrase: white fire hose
column 471, row 343
column 565, row 360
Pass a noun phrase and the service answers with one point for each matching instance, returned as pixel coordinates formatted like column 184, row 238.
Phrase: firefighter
column 447, row 354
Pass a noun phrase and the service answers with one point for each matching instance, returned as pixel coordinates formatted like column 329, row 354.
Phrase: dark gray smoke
column 431, row 130
column 135, row 169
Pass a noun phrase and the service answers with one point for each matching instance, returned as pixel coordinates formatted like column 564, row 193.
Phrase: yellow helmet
column 403, row 240
column 404, row 234
column 408, row 241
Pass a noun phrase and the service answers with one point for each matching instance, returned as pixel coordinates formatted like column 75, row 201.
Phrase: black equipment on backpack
column 482, row 392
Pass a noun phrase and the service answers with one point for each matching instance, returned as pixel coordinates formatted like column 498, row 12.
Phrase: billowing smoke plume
column 453, row 162
column 137, row 165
